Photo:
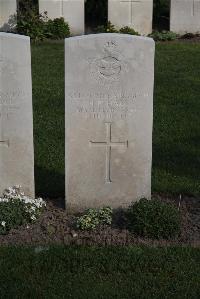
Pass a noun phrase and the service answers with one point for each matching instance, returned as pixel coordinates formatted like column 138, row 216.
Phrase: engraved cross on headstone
column 109, row 144
column 131, row 6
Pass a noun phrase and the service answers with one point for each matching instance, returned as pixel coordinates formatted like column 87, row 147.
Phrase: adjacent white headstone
column 8, row 9
column 109, row 112
column 136, row 14
column 16, row 119
column 71, row 10
column 185, row 16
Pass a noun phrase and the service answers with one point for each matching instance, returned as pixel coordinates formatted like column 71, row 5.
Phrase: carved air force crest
column 108, row 68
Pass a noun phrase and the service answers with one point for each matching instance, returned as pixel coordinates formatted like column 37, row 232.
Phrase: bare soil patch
column 190, row 37
column 55, row 226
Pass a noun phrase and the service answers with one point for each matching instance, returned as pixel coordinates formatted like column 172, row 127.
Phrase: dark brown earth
column 55, row 226
column 190, row 38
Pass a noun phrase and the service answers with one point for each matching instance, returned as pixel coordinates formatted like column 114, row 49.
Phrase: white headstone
column 71, row 10
column 136, row 14
column 8, row 9
column 109, row 112
column 185, row 16
column 16, row 119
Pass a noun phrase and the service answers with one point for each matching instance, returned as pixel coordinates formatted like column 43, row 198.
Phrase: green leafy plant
column 17, row 209
column 57, row 29
column 153, row 219
column 163, row 35
column 32, row 24
column 108, row 28
column 128, row 30
column 39, row 26
column 94, row 217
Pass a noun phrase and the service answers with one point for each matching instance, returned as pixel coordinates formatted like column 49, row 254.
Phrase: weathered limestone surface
column 185, row 16
column 16, row 119
column 109, row 112
column 71, row 10
column 136, row 14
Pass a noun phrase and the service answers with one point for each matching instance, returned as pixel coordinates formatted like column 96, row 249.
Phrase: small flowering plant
column 17, row 209
column 95, row 217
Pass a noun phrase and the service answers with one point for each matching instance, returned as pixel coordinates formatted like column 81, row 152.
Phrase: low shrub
column 153, row 219
column 32, row 24
column 128, row 30
column 108, row 28
column 17, row 209
column 39, row 27
column 163, row 35
column 57, row 29
column 94, row 217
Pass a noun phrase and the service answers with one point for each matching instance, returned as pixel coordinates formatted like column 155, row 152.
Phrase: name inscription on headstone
column 11, row 103
column 104, row 106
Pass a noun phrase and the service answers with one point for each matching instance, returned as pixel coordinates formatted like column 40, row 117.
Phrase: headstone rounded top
column 110, row 35
column 13, row 35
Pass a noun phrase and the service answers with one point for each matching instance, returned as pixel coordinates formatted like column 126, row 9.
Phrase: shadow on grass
column 49, row 183
column 182, row 158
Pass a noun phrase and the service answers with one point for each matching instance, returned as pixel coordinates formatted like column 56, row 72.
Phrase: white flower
column 31, row 206
column 3, row 223
column 4, row 200
column 33, row 217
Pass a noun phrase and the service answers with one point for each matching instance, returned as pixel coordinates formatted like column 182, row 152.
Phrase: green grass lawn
column 89, row 273
column 176, row 137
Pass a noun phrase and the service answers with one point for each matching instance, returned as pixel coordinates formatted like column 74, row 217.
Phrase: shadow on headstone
column 10, row 26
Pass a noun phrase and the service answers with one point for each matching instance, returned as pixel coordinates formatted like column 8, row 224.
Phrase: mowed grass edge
column 91, row 272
